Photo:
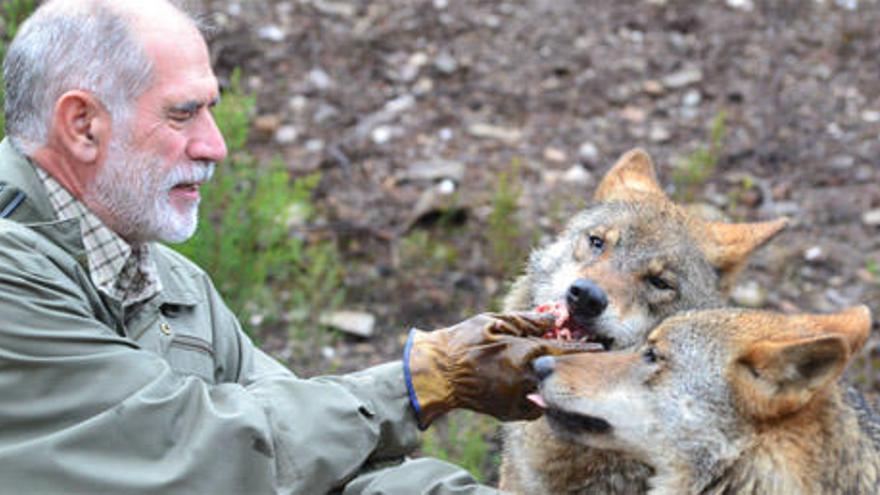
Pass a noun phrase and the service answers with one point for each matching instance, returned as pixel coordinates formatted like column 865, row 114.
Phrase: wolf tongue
column 537, row 399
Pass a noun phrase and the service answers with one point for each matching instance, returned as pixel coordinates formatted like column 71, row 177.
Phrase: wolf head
column 634, row 257
column 706, row 389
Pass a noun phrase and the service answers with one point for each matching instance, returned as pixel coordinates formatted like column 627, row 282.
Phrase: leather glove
column 482, row 364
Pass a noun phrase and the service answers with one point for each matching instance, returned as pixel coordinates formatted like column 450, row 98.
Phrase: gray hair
column 86, row 46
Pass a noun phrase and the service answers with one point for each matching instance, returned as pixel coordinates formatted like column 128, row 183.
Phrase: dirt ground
column 414, row 110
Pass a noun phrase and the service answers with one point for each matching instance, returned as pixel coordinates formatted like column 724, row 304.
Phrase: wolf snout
column 585, row 299
column 544, row 366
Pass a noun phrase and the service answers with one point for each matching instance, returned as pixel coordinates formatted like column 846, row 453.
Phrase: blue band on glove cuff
column 407, row 376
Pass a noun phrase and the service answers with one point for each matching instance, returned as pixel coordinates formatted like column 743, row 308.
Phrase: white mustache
column 188, row 174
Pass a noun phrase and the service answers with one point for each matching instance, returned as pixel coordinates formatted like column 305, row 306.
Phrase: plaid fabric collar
column 124, row 272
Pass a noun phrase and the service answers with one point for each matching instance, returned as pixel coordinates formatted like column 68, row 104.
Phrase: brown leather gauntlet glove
column 481, row 364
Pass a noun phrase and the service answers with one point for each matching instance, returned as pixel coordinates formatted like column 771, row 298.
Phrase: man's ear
column 80, row 126
column 778, row 376
column 633, row 174
column 727, row 246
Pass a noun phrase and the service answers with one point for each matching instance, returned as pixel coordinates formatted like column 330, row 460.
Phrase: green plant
column 504, row 233
column 697, row 167
column 14, row 12
column 464, row 438
column 245, row 239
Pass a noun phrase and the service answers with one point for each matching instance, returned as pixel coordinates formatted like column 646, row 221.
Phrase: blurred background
column 394, row 161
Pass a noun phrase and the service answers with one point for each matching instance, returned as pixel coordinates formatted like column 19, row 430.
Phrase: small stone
column 445, row 134
column 446, row 187
column 320, row 79
column 748, row 294
column 357, row 323
column 445, row 63
column 314, row 145
column 653, row 88
column 691, row 98
column 659, row 134
column 842, row 162
column 340, row 9
column 633, row 114
column 423, row 86
column 577, row 174
column 441, row 4
column 271, row 33
column 683, row 78
column 814, row 254
column 382, row 134
column 488, row 131
column 286, row 134
column 555, row 155
column 871, row 116
column 588, row 152
column 745, row 5
column 267, row 124
column 328, row 352
column 435, row 170
column 871, row 217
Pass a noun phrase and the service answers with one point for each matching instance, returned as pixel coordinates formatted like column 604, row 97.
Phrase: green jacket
column 172, row 397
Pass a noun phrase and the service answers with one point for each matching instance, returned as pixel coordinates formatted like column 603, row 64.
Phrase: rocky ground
column 413, row 110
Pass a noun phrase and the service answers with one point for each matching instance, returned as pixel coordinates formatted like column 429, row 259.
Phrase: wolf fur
column 727, row 401
column 652, row 258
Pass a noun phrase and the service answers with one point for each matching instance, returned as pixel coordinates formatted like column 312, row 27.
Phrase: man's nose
column 207, row 144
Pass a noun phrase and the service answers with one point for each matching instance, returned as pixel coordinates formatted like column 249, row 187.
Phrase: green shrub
column 246, row 238
column 14, row 12
column 699, row 166
column 504, row 233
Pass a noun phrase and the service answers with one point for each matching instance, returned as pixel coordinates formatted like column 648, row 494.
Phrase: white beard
column 130, row 187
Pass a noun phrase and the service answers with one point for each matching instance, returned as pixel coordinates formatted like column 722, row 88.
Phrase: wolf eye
column 650, row 355
column 596, row 243
column 659, row 283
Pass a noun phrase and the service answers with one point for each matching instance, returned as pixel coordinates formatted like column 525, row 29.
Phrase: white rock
column 871, row 217
column 320, row 79
column 505, row 134
column 445, row 63
column 577, row 174
column 286, row 134
column 683, row 78
column 446, row 187
column 814, row 253
column 871, row 116
column 746, row 5
column 271, row 33
column 748, row 294
column 691, row 98
column 382, row 134
column 356, row 323
column 588, row 152
column 555, row 155
column 441, row 4
column 314, row 145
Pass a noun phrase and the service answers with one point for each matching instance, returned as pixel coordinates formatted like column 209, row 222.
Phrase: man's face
column 149, row 182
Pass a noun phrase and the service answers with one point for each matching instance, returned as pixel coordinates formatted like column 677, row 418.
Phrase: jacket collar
column 18, row 173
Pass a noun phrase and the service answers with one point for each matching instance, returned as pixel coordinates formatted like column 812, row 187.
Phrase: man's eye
column 658, row 283
column 597, row 243
column 181, row 115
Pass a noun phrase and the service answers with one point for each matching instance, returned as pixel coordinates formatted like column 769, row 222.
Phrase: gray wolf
column 621, row 266
column 726, row 401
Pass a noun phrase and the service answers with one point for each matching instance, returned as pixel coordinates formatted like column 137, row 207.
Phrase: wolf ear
column 727, row 246
column 779, row 376
column 632, row 174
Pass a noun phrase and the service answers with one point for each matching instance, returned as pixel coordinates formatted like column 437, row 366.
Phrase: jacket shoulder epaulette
column 10, row 199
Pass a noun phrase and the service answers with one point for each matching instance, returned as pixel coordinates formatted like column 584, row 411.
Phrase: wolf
column 628, row 261
column 726, row 401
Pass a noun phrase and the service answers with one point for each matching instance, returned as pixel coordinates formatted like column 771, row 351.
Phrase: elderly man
column 121, row 370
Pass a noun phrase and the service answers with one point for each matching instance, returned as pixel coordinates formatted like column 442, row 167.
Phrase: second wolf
column 621, row 266
column 727, row 401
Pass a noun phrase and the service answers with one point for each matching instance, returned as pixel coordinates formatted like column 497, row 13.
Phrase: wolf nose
column 586, row 299
column 544, row 366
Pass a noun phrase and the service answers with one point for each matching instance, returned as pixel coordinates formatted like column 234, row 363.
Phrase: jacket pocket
column 190, row 355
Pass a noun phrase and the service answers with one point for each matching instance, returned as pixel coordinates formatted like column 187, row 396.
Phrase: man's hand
column 481, row 364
